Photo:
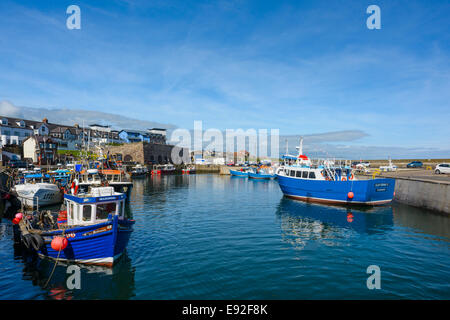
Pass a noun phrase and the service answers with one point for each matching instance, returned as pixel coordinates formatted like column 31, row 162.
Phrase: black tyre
column 36, row 242
column 26, row 240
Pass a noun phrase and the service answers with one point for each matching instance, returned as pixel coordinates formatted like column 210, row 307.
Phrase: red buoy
column 350, row 195
column 59, row 243
column 15, row 221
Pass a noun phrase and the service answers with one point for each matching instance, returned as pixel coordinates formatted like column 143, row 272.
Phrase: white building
column 15, row 131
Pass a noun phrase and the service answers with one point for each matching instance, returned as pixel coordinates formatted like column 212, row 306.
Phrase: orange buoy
column 350, row 195
column 59, row 243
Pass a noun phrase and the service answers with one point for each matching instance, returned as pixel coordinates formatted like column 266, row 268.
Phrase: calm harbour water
column 220, row 237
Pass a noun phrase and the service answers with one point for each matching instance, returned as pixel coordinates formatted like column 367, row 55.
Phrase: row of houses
column 42, row 139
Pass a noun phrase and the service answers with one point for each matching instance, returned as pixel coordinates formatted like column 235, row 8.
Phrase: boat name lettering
column 381, row 185
column 99, row 230
column 381, row 190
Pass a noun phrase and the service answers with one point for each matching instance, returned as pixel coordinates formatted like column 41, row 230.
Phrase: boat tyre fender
column 26, row 240
column 36, row 242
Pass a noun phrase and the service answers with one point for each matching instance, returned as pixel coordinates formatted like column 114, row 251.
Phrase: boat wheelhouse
column 98, row 177
column 92, row 230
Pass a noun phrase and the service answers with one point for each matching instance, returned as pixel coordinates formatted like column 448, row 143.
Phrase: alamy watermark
column 374, row 280
column 74, row 280
column 225, row 144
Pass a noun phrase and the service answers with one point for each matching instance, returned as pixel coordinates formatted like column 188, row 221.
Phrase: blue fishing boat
column 239, row 173
column 92, row 230
column 261, row 173
column 327, row 183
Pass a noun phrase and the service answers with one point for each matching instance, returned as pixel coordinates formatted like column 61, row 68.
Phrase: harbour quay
column 415, row 187
column 421, row 188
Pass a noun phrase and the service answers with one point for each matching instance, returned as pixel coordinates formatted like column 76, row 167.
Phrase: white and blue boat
column 262, row 174
column 94, row 226
column 327, row 183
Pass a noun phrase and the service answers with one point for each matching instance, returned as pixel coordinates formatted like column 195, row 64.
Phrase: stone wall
column 148, row 153
column 434, row 195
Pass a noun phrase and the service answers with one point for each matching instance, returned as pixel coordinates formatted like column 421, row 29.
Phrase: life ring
column 344, row 179
column 351, row 177
column 74, row 187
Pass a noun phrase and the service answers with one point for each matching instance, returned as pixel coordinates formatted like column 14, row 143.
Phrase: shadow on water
column 96, row 282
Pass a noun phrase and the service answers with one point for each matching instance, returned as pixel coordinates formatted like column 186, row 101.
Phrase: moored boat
column 36, row 191
column 326, row 183
column 139, row 171
column 239, row 173
column 93, row 230
column 262, row 173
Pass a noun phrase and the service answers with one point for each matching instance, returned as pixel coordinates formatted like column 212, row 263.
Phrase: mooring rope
column 56, row 262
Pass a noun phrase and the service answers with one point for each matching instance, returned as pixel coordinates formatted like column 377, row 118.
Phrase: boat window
column 292, row 173
column 104, row 209
column 87, row 211
column 116, row 177
column 286, row 171
column 299, row 174
column 109, row 177
column 71, row 210
column 312, row 175
column 120, row 209
column 305, row 174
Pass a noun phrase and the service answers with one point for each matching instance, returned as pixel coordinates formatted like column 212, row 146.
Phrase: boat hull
column 39, row 194
column 100, row 244
column 366, row 192
column 238, row 173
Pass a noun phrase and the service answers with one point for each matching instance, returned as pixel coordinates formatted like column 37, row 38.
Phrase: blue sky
column 304, row 67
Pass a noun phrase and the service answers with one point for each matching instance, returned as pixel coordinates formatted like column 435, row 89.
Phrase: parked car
column 415, row 164
column 442, row 168
column 363, row 163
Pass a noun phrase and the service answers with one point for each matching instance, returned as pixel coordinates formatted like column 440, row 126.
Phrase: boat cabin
column 317, row 173
column 94, row 207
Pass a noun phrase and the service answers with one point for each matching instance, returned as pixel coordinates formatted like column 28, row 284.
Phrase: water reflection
column 421, row 220
column 96, row 282
column 302, row 222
